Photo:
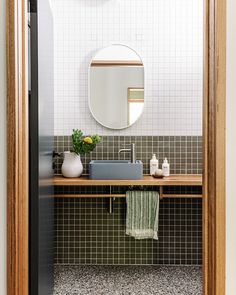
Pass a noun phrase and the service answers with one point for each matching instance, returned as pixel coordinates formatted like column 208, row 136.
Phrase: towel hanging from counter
column 142, row 214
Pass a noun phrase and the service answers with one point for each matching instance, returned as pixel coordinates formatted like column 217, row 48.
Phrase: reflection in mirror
column 116, row 88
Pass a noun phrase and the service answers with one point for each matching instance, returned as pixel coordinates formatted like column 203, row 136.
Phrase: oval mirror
column 116, row 86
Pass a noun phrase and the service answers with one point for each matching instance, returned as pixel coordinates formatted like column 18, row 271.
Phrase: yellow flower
column 88, row 140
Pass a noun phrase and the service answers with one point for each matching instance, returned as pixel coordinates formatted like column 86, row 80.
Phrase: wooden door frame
column 17, row 148
column 214, row 148
column 214, row 208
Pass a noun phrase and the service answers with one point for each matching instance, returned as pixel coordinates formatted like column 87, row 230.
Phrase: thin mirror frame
column 89, row 85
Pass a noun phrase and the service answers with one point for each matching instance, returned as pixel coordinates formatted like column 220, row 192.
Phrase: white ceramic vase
column 72, row 166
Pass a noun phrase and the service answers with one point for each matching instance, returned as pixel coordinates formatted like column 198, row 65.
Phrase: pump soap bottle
column 166, row 168
column 153, row 164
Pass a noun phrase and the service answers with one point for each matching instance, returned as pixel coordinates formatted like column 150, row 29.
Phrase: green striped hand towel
column 142, row 214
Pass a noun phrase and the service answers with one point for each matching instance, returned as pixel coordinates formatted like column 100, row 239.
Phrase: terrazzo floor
column 128, row 280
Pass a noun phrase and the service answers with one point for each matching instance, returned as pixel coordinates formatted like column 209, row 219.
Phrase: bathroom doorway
column 214, row 122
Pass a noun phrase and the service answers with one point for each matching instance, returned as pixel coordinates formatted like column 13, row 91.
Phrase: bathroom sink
column 115, row 169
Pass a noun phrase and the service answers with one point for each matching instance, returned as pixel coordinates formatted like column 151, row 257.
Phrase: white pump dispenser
column 166, row 168
column 153, row 164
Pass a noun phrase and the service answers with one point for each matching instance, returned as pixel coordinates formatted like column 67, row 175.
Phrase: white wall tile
column 168, row 34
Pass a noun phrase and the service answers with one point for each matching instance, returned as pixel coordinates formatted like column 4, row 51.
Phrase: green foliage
column 83, row 145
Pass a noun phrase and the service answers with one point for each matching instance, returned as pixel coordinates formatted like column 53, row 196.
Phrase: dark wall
column 87, row 234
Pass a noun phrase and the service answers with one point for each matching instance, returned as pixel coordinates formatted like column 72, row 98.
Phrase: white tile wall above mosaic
column 168, row 34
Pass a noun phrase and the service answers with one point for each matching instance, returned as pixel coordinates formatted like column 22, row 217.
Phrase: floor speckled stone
column 128, row 280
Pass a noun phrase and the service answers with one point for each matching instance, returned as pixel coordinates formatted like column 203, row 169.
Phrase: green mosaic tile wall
column 86, row 234
column 183, row 152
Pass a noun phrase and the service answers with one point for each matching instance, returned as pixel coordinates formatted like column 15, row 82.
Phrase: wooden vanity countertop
column 172, row 180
